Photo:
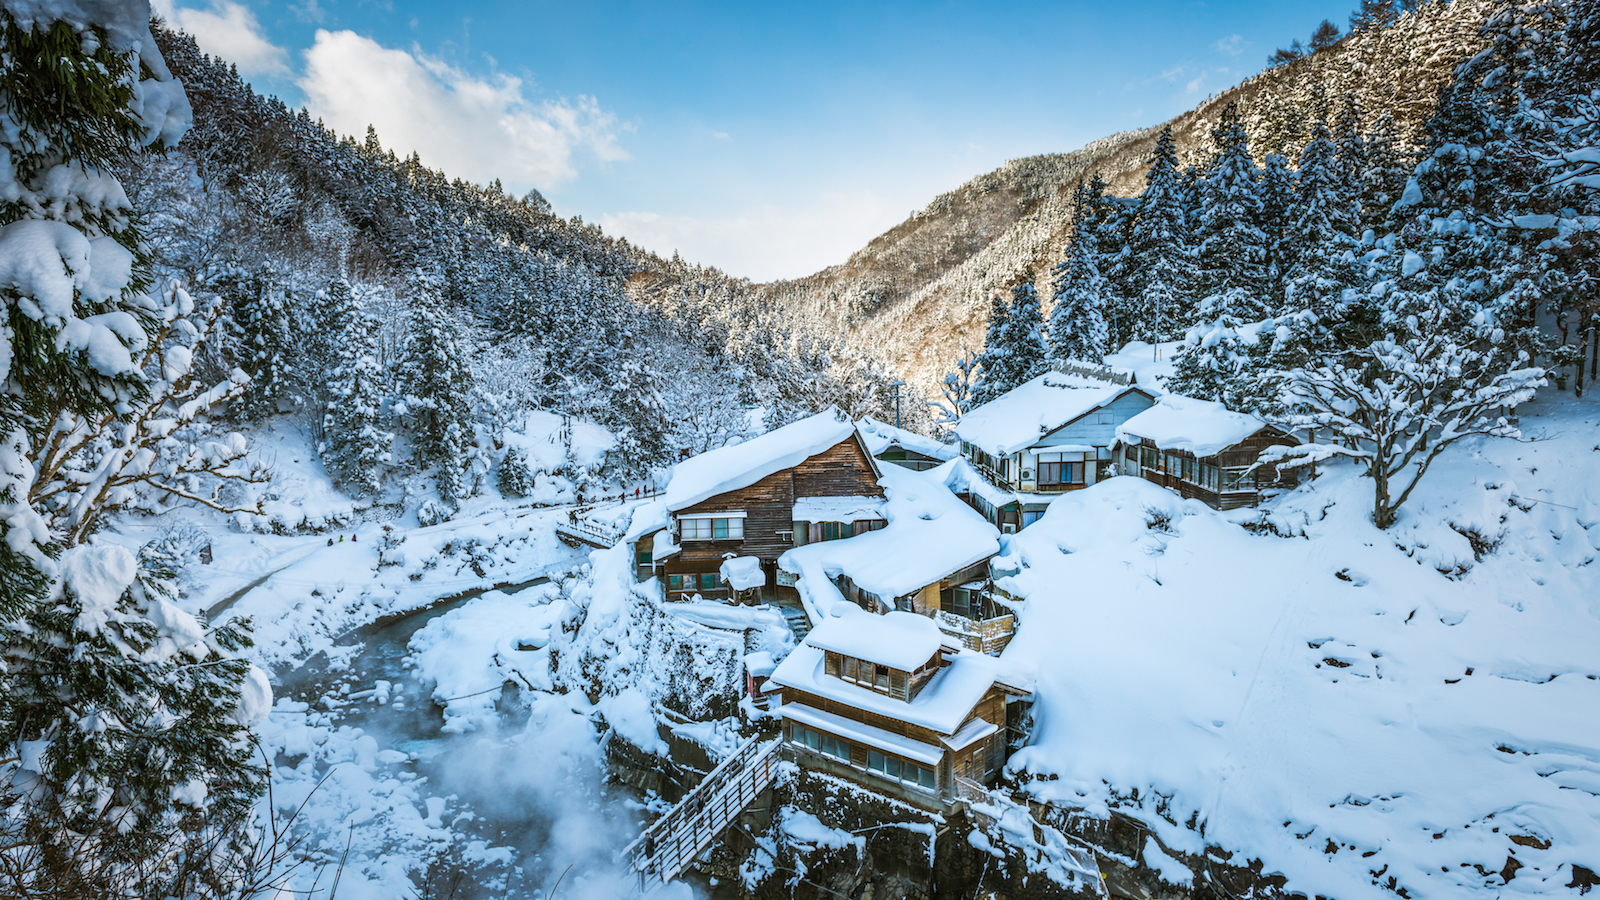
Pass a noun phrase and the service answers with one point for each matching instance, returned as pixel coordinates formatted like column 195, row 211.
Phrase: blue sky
column 770, row 140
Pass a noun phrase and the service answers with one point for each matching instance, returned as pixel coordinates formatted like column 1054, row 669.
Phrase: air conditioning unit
column 1027, row 474
column 1008, row 528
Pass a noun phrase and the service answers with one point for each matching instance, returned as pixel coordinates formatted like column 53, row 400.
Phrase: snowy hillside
column 1365, row 711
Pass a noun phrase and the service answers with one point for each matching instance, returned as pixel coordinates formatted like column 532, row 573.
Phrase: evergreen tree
column 1077, row 319
column 1325, row 36
column 1232, row 245
column 637, row 411
column 123, row 770
column 515, row 478
column 1159, row 242
column 261, row 338
column 992, row 371
column 1384, row 177
column 354, row 443
column 1374, row 14
column 1026, row 354
column 1278, row 198
column 436, row 389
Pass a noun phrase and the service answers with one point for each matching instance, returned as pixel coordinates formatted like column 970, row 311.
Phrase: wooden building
column 884, row 701
column 1202, row 450
column 903, row 448
column 811, row 480
column 1051, row 435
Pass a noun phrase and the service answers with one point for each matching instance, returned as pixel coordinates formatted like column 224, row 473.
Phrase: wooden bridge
column 582, row 531
column 673, row 841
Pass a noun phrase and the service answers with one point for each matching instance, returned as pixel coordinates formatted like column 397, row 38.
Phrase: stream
column 538, row 798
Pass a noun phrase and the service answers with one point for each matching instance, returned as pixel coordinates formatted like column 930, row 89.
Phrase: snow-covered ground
column 1350, row 705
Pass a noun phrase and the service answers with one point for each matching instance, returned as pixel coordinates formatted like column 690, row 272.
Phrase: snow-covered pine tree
column 1234, row 269
column 354, row 443
column 992, row 367
column 515, row 478
column 1077, row 319
column 636, row 410
column 1384, row 178
column 436, row 388
column 956, row 391
column 1228, row 228
column 1026, row 354
column 261, row 339
column 1278, row 196
column 122, row 766
column 1159, row 242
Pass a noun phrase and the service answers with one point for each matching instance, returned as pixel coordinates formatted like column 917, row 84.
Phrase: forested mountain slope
column 918, row 293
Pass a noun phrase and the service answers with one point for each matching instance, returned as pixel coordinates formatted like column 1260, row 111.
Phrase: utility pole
column 897, row 386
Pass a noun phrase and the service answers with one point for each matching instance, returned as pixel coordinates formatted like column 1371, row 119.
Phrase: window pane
column 882, row 677
column 963, row 602
column 736, row 528
column 719, row 528
column 812, row 739
column 708, row 581
column 925, row 777
column 893, row 768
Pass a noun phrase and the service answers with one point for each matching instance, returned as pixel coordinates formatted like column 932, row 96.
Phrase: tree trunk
column 1382, row 515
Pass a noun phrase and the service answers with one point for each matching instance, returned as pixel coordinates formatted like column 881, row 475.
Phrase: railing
column 587, row 532
column 673, row 841
column 983, row 635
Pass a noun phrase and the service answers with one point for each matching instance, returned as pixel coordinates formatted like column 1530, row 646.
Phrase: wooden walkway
column 673, row 841
column 582, row 531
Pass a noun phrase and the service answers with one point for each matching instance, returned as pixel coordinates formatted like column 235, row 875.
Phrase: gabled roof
column 1201, row 427
column 899, row 640
column 741, row 465
column 931, row 534
column 1020, row 417
column 880, row 436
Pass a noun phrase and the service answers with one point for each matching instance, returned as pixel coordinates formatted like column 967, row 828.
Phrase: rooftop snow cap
column 741, row 465
column 899, row 640
column 880, row 436
column 1017, row 418
column 1201, row 427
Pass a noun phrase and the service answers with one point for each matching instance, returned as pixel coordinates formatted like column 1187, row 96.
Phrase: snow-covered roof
column 942, row 705
column 759, row 663
column 743, row 573
column 970, row 733
column 1021, row 416
column 837, row 509
column 880, row 436
column 960, row 477
column 930, row 534
column 741, row 465
column 899, row 640
column 1201, row 427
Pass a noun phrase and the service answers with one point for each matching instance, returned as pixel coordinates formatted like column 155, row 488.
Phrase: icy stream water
column 534, row 792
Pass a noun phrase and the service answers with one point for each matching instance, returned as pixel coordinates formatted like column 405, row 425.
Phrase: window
column 1208, row 476
column 880, row 677
column 848, row 671
column 675, row 582
column 1130, row 453
column 867, row 525
column 1149, row 458
column 1174, row 464
column 1191, row 469
column 961, row 602
column 643, row 557
column 900, row 770
column 708, row 581
column 708, row 528
column 822, row 743
column 1238, row 478
column 833, row 531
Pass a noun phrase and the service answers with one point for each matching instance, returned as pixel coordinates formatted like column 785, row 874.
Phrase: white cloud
column 473, row 128
column 768, row 242
column 229, row 30
column 1232, row 45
